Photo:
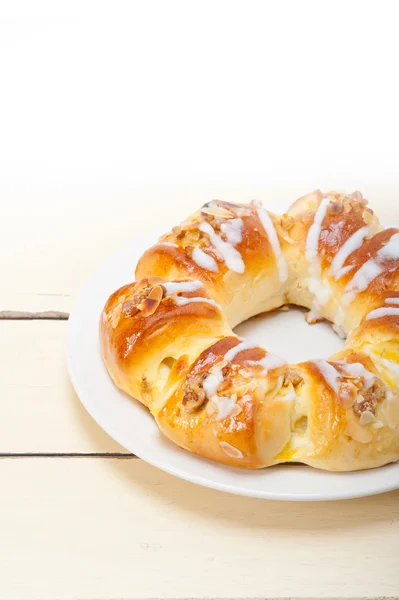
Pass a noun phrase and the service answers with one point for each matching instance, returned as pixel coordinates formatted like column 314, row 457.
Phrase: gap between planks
column 19, row 315
column 112, row 455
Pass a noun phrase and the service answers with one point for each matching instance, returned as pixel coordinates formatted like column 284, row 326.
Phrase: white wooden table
column 80, row 517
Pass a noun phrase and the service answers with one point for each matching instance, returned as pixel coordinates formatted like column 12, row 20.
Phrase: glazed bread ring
column 167, row 339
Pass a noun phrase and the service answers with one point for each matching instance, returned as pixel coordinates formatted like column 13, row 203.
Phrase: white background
column 199, row 91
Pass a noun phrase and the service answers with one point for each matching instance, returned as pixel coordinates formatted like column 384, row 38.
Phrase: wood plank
column 57, row 236
column 95, row 528
column 40, row 412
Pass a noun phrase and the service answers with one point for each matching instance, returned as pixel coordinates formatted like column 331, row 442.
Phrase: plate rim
column 341, row 494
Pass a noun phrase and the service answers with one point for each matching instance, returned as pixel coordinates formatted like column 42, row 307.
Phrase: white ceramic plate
column 130, row 424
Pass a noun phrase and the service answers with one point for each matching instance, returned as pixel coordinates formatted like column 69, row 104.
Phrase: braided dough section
column 167, row 339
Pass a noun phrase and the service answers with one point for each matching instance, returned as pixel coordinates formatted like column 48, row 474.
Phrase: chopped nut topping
column 146, row 300
column 194, row 394
column 150, row 304
column 357, row 195
column 157, row 292
column 358, row 433
column 363, row 405
column 293, row 377
column 244, row 373
column 147, row 282
column 218, row 212
column 348, row 393
column 369, row 400
column 190, row 225
column 379, row 391
column 194, row 236
column 219, row 364
column 236, row 411
column 116, row 315
column 336, row 208
column 176, row 230
column 211, row 408
column 129, row 309
column 240, row 211
column 359, row 198
column 368, row 217
column 274, row 390
column 366, row 418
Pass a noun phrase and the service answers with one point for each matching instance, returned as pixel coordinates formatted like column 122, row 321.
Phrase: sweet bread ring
column 167, row 339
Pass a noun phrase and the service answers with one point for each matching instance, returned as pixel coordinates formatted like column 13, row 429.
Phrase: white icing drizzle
column 320, row 291
column 227, row 406
column 212, row 382
column 344, row 271
column 354, row 242
column 361, row 280
column 391, row 249
column 269, row 228
column 312, row 240
column 371, row 269
column 173, row 287
column 385, row 311
column 230, row 255
column 240, row 211
column 181, row 301
column 231, row 450
column 269, row 362
column 233, row 230
column 358, row 370
column 329, row 373
column 391, row 300
column 224, row 405
column 239, row 348
column 204, row 260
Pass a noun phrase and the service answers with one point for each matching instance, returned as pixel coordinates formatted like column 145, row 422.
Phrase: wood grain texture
column 113, row 527
column 40, row 412
column 122, row 529
column 48, row 251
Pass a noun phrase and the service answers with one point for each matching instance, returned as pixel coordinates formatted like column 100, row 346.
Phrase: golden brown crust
column 167, row 339
column 176, row 261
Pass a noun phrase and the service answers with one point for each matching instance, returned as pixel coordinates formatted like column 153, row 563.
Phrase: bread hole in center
column 287, row 334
